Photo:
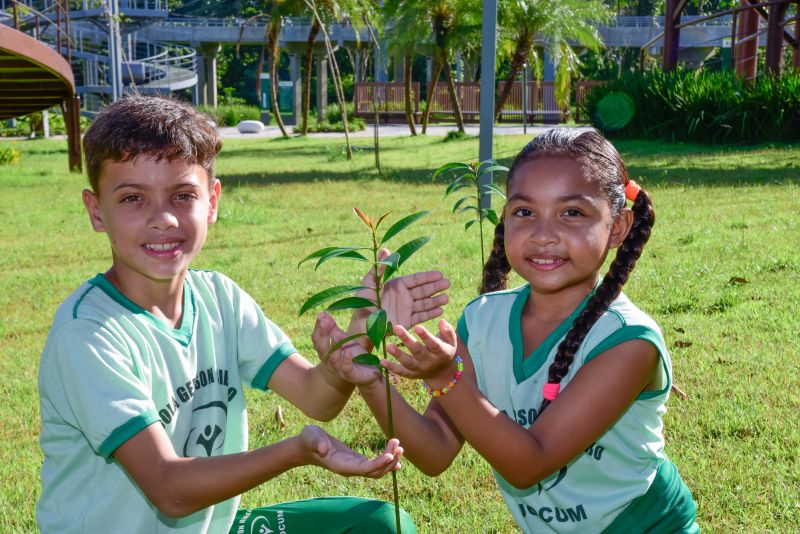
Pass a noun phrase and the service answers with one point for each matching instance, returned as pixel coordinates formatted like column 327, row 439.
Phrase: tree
column 558, row 23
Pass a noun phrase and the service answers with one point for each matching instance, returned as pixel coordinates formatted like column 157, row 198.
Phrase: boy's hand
column 410, row 299
column 429, row 357
column 326, row 451
column 340, row 362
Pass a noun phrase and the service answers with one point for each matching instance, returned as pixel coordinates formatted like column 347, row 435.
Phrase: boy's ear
column 213, row 201
column 93, row 209
column 620, row 227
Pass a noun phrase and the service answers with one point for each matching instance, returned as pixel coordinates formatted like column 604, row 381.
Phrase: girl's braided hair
column 601, row 163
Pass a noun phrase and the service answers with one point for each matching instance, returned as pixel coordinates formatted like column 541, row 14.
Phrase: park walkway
column 397, row 130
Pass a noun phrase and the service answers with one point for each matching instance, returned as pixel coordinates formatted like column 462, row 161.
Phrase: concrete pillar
column 796, row 52
column 549, row 70
column 322, row 87
column 428, row 69
column 459, row 72
column 199, row 90
column 208, row 90
column 381, row 73
column 294, row 74
column 398, row 68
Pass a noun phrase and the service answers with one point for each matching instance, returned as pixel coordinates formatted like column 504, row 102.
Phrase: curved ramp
column 33, row 77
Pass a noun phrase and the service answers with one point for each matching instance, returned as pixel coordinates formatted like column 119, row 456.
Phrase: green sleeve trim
column 127, row 430
column 666, row 506
column 628, row 333
column 462, row 329
column 275, row 359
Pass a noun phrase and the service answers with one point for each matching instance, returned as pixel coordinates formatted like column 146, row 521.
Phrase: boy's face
column 156, row 215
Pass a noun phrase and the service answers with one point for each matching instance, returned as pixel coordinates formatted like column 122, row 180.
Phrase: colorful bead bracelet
column 439, row 392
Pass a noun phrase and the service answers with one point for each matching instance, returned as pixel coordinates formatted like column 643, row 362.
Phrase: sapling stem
column 390, row 421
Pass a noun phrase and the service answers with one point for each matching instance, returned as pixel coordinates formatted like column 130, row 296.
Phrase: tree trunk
column 309, row 64
column 521, row 50
column 451, row 86
column 408, row 95
column 273, row 56
column 431, row 91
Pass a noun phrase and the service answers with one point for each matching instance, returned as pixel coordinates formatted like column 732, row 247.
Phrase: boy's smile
column 156, row 215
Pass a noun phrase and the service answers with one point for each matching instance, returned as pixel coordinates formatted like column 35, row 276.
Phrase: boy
column 151, row 341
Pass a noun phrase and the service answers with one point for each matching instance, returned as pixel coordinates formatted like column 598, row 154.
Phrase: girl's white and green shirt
column 625, row 465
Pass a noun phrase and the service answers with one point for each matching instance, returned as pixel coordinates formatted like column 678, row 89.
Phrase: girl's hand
column 326, row 451
column 340, row 362
column 427, row 358
column 408, row 300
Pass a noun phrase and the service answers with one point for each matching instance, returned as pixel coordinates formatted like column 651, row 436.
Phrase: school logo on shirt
column 209, row 418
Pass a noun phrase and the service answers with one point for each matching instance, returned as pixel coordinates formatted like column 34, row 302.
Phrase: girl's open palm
column 425, row 357
column 326, row 451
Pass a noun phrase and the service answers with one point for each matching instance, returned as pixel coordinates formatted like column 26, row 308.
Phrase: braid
column 495, row 272
column 627, row 254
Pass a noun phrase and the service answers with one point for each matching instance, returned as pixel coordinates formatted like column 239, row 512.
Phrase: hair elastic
column 632, row 190
column 550, row 391
column 440, row 392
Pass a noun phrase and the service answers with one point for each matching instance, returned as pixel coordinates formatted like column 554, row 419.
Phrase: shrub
column 22, row 128
column 9, row 154
column 354, row 125
column 333, row 114
column 231, row 114
column 712, row 107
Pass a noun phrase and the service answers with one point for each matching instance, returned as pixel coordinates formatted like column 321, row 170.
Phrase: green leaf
column 464, row 199
column 459, row 184
column 350, row 303
column 492, row 168
column 339, row 344
column 467, row 208
column 492, row 216
column 376, row 326
column 469, row 223
column 328, row 294
column 493, row 190
column 398, row 227
column 405, row 252
column 377, row 224
column 343, row 252
column 390, row 260
column 449, row 167
column 327, row 250
column 367, row 359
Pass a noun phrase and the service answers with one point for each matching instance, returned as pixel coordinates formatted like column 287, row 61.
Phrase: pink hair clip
column 550, row 391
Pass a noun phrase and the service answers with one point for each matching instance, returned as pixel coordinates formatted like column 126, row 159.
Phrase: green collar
column 524, row 368
column 182, row 335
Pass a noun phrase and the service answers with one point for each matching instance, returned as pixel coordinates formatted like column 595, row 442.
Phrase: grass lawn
column 721, row 276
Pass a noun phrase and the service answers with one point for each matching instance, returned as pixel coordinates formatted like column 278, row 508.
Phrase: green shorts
column 340, row 515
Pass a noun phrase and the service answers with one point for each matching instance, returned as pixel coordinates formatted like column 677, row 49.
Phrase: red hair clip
column 632, row 190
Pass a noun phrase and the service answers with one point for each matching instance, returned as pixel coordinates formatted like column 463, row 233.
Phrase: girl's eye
column 522, row 212
column 572, row 212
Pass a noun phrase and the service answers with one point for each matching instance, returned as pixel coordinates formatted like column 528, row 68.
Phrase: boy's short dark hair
column 153, row 126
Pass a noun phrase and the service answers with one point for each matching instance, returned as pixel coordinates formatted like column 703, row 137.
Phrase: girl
column 561, row 383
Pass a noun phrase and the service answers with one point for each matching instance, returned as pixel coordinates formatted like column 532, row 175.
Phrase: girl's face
column 559, row 226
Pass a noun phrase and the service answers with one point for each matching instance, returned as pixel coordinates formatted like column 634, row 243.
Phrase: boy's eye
column 131, row 198
column 572, row 212
column 185, row 196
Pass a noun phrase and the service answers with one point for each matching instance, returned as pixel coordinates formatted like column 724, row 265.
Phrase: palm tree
column 557, row 22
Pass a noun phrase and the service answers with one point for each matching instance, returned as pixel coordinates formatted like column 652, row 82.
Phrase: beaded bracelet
column 439, row 392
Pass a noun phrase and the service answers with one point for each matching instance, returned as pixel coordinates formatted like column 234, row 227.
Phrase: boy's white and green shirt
column 110, row 368
column 595, row 488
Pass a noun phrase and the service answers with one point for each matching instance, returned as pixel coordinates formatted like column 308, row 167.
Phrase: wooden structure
column 745, row 42
column 34, row 77
column 389, row 98
column 541, row 102
column 468, row 94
